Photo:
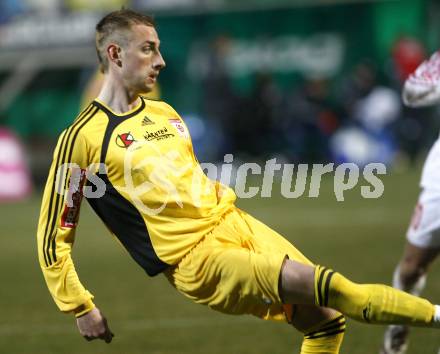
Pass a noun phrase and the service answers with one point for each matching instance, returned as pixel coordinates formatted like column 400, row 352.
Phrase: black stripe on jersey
column 52, row 193
column 128, row 225
column 61, row 159
column 122, row 218
column 129, row 115
column 67, row 144
column 113, row 121
column 70, row 148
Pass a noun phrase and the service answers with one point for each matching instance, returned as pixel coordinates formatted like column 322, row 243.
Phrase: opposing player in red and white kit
column 422, row 88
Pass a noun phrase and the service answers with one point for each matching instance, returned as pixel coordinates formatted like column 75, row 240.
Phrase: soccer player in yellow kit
column 152, row 195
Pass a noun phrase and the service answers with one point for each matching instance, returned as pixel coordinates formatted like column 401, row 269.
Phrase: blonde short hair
column 115, row 27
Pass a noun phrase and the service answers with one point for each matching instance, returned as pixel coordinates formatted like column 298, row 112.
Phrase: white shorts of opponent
column 424, row 230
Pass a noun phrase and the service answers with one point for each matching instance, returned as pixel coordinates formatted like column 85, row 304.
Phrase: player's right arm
column 422, row 88
column 57, row 224
column 56, row 231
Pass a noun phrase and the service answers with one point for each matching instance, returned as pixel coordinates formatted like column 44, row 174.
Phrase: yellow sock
column 325, row 338
column 372, row 303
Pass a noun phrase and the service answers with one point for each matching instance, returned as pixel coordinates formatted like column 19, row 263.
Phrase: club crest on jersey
column 180, row 127
column 125, row 140
column 147, row 121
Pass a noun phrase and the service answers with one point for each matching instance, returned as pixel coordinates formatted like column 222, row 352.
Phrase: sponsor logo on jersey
column 180, row 127
column 147, row 121
column 158, row 134
column 125, row 140
column 70, row 214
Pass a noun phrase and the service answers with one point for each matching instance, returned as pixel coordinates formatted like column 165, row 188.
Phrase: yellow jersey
column 139, row 173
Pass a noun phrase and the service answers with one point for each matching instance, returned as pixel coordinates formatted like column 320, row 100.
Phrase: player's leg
column 422, row 247
column 303, row 283
column 371, row 303
column 236, row 270
column 323, row 328
column 410, row 276
column 423, row 244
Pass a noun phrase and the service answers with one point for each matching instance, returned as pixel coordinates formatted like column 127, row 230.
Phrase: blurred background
column 303, row 80
column 306, row 81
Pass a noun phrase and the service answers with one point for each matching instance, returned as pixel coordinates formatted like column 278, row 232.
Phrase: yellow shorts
column 235, row 268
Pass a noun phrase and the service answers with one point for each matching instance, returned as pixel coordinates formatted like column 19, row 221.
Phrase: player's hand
column 93, row 325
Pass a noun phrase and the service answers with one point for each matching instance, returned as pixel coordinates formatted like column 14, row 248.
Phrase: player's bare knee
column 296, row 283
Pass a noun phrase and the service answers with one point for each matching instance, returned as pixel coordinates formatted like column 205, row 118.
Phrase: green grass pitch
column 360, row 238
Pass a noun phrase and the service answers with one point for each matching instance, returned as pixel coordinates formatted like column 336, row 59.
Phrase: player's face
column 142, row 60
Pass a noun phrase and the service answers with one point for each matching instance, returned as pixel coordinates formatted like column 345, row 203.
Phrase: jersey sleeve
column 58, row 220
column 422, row 88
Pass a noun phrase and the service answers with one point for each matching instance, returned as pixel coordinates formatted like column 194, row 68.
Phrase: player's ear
column 114, row 53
